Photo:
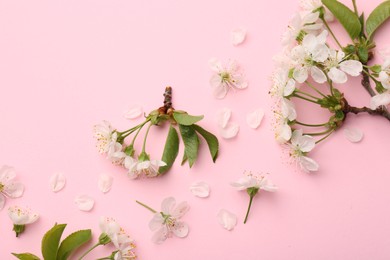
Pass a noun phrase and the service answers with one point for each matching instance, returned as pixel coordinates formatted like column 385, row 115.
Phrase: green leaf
column 378, row 16
column 51, row 240
column 26, row 256
column 191, row 143
column 183, row 118
column 348, row 19
column 363, row 54
column 171, row 150
column 211, row 140
column 72, row 242
column 185, row 158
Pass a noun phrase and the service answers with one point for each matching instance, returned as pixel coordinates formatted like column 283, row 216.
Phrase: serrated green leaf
column 211, row 140
column 191, row 143
column 26, row 256
column 378, row 16
column 51, row 241
column 348, row 19
column 171, row 150
column 183, row 118
column 72, row 242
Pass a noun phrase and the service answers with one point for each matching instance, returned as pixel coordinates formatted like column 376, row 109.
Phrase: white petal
column 267, row 185
column 160, row 235
column 133, row 112
column 337, row 75
column 227, row 219
column 105, row 182
column 230, row 131
column 223, row 116
column 57, row 182
column 22, row 216
column 254, row 118
column 84, row 202
column 244, row 182
column 289, row 88
column 300, row 74
column 237, row 36
column 200, row 189
column 380, row 100
column 167, row 205
column 283, row 133
column 2, row 201
column 156, row 222
column 180, row 229
column 307, row 164
column 318, row 75
column 353, row 135
column 352, row 67
column 180, row 210
column 14, row 189
column 215, row 64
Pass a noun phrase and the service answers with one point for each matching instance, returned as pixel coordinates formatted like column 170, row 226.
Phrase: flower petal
column 133, row 112
column 337, row 76
column 254, row 118
column 14, row 189
column 227, row 219
column 156, row 222
column 180, row 210
column 105, row 182
column 354, row 135
column 215, row 64
column 307, row 164
column 244, row 183
column 230, row 131
column 180, row 229
column 220, row 91
column 167, row 205
column 237, row 36
column 223, row 116
column 22, row 216
column 57, row 182
column 200, row 189
column 2, row 201
column 380, row 100
column 352, row 67
column 84, row 202
column 161, row 235
column 318, row 75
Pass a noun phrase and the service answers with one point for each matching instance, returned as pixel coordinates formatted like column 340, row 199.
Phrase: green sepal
column 363, row 54
column 379, row 87
column 104, row 239
column 183, row 118
column 171, row 150
column 26, row 256
column 19, row 229
column 51, row 241
column 191, row 143
column 376, row 68
column 211, row 140
column 72, row 243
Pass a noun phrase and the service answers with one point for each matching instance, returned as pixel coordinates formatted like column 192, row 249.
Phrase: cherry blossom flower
column 21, row 217
column 8, row 186
column 115, row 153
column 311, row 6
column 338, row 66
column 300, row 146
column 286, row 115
column 226, row 78
column 253, row 184
column 150, row 167
column 283, row 85
column 105, row 136
column 383, row 99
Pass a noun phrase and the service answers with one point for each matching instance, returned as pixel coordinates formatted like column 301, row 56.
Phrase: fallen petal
column 223, row 116
column 200, row 189
column 57, row 182
column 227, row 219
column 254, row 118
column 354, row 135
column 84, row 202
column 133, row 112
column 105, row 183
column 237, row 36
column 230, row 131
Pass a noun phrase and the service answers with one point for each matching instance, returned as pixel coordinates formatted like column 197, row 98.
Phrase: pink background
column 67, row 65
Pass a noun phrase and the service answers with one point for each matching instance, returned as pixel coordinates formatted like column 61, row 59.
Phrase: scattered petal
column 227, row 219
column 254, row 118
column 57, row 182
column 230, row 131
column 237, row 36
column 354, row 135
column 84, row 202
column 200, row 189
column 105, row 183
column 223, row 116
column 133, row 112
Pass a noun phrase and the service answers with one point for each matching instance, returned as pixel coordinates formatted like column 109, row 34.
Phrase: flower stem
column 307, row 94
column 311, row 125
column 331, row 32
column 146, row 136
column 320, row 133
column 326, row 136
column 146, row 206
column 249, row 208
column 314, row 88
column 355, row 7
column 89, row 250
column 304, row 98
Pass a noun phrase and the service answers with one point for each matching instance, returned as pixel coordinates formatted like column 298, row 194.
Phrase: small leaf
column 191, row 143
column 72, row 242
column 26, row 256
column 363, row 54
column 51, row 240
column 348, row 19
column 171, row 150
column 211, row 140
column 378, row 16
column 183, row 118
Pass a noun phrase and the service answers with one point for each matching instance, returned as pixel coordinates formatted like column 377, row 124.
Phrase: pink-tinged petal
column 230, row 131
column 300, row 74
column 307, row 164
column 180, row 210
column 180, row 229
column 283, row 133
column 223, row 116
column 227, row 219
column 14, row 189
column 215, row 65
column 7, row 173
column 57, row 182
column 160, row 235
column 337, row 76
column 167, row 205
column 354, row 135
column 156, row 222
column 84, row 202
column 200, row 189
column 2, row 201
column 105, row 183
column 317, row 75
column 244, row 182
column 133, row 112
column 220, row 91
column 267, row 185
column 352, row 67
column 22, row 216
column 254, row 118
column 237, row 36
column 380, row 100
column 288, row 109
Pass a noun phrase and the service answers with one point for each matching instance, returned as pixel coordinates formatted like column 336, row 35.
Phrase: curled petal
column 230, row 131
column 57, row 182
column 84, row 202
column 307, row 164
column 223, row 116
column 227, row 219
column 133, row 112
column 180, row 229
column 254, row 118
column 354, row 135
column 237, row 36
column 200, row 189
column 105, row 183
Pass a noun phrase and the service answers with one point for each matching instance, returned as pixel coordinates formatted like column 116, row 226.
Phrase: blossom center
column 225, row 76
column 1, row 187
